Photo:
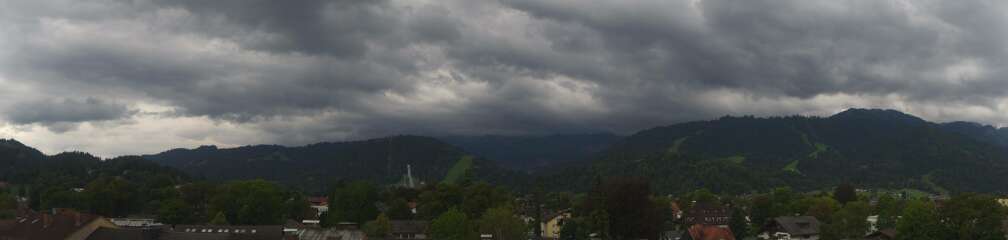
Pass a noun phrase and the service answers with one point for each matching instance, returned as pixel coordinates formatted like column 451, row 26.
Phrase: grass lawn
column 792, row 167
column 457, row 171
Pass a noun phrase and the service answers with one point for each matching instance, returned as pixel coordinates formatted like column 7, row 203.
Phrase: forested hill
column 21, row 164
column 312, row 167
column 881, row 148
column 984, row 133
column 532, row 153
column 52, row 178
column 16, row 158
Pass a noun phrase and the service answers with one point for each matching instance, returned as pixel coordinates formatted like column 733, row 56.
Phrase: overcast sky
column 116, row 77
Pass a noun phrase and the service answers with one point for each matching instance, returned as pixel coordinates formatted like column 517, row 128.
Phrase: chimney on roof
column 46, row 220
column 77, row 218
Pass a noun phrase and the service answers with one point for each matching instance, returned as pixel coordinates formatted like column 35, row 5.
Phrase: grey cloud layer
column 314, row 70
column 67, row 110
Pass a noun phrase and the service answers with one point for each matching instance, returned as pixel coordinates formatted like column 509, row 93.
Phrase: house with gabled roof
column 552, row 222
column 792, row 228
column 408, row 229
column 52, row 225
column 708, row 214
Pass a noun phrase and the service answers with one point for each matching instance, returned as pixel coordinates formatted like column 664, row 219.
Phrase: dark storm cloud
column 795, row 48
column 61, row 115
column 336, row 27
column 312, row 70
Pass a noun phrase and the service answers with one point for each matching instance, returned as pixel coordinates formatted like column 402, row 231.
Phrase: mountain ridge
column 871, row 147
column 313, row 166
column 534, row 152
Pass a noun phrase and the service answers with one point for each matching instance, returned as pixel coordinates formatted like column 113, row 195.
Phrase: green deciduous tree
column 219, row 219
column 255, row 202
column 920, row 221
column 502, row 223
column 738, row 223
column 175, row 211
column 844, row 193
column 848, row 222
column 480, row 196
column 573, row 229
column 761, row 210
column 973, row 216
column 8, row 205
column 399, row 209
column 438, row 199
column 297, row 206
column 111, row 196
column 822, row 208
column 888, row 210
column 452, row 225
column 624, row 208
column 559, row 200
column 198, row 195
column 380, row 227
column 354, row 202
column 702, row 196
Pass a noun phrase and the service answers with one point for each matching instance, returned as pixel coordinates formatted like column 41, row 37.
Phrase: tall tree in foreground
column 111, row 196
column 849, row 222
column 888, row 210
column 8, row 205
column 438, row 199
column 536, row 207
column 255, row 202
column 822, row 208
column 198, row 195
column 380, row 227
column 296, row 205
column 480, row 196
column 573, row 229
column 624, row 208
column 452, row 225
column 973, row 216
column 502, row 223
column 175, row 211
column 845, row 193
column 354, row 202
column 920, row 221
column 738, row 223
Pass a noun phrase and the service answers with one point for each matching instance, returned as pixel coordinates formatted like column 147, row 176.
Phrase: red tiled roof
column 318, row 200
column 710, row 232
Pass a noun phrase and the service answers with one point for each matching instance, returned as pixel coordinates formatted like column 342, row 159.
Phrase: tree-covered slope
column 882, row 148
column 312, row 167
column 534, row 152
column 21, row 164
column 984, row 133
column 17, row 160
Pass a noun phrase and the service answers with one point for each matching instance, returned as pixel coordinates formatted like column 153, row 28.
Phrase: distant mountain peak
column 877, row 114
column 207, row 147
column 10, row 142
